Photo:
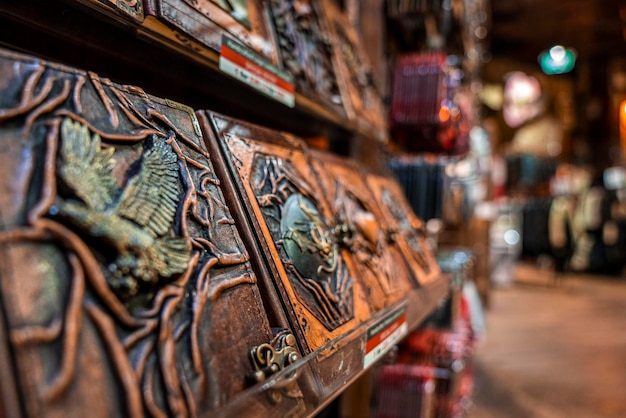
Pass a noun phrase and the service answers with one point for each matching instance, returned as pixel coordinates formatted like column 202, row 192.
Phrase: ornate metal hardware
column 268, row 360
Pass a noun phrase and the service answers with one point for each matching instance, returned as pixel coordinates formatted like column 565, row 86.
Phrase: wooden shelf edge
column 419, row 303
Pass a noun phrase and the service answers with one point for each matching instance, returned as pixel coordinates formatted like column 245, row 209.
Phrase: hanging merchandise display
column 578, row 229
column 429, row 111
column 422, row 180
column 439, row 187
column 434, row 376
column 418, row 89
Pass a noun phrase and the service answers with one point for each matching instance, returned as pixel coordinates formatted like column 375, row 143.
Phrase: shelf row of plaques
column 307, row 45
column 161, row 261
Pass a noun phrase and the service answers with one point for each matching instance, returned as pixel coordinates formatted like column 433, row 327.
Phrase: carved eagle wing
column 86, row 168
column 151, row 197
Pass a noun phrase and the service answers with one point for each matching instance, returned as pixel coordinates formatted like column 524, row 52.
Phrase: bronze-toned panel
column 126, row 8
column 125, row 285
column 306, row 48
column 205, row 21
column 356, row 78
column 405, row 228
column 295, row 228
column 363, row 231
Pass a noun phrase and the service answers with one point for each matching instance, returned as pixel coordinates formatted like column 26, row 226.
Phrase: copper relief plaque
column 204, row 22
column 125, row 285
column 296, row 228
column 363, row 231
column 360, row 95
column 306, row 50
column 129, row 8
column 405, row 228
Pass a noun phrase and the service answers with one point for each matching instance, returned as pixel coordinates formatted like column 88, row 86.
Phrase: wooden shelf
column 419, row 304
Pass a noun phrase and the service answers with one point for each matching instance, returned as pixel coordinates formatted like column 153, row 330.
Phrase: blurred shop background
column 507, row 124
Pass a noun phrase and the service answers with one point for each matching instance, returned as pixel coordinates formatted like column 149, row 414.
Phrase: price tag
column 382, row 336
column 252, row 69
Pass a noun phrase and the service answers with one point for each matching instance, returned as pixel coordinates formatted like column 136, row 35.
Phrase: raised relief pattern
column 131, row 249
column 304, row 50
column 305, row 241
column 407, row 229
column 132, row 220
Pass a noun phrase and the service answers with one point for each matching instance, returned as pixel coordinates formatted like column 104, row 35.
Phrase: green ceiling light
column 557, row 60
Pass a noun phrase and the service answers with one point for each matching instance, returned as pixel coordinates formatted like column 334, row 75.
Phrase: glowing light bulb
column 557, row 60
column 557, row 53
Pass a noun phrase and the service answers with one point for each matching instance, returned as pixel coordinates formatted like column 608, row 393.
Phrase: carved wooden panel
column 306, row 50
column 124, row 283
column 296, row 230
column 405, row 228
column 127, row 8
column 206, row 20
column 363, row 231
column 356, row 77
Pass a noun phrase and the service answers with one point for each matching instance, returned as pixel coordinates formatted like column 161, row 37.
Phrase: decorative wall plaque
column 131, row 8
column 306, row 50
column 205, row 21
column 404, row 227
column 296, row 229
column 356, row 77
column 124, row 284
column 363, row 231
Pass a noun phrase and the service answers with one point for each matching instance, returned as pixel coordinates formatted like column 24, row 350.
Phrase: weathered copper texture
column 125, row 8
column 205, row 21
column 405, row 229
column 125, row 287
column 356, row 78
column 363, row 231
column 306, row 50
column 295, row 228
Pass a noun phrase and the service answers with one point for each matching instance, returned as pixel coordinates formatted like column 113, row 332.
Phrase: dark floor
column 553, row 351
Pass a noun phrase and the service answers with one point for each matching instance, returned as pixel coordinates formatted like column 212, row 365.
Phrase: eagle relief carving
column 120, row 256
column 133, row 221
